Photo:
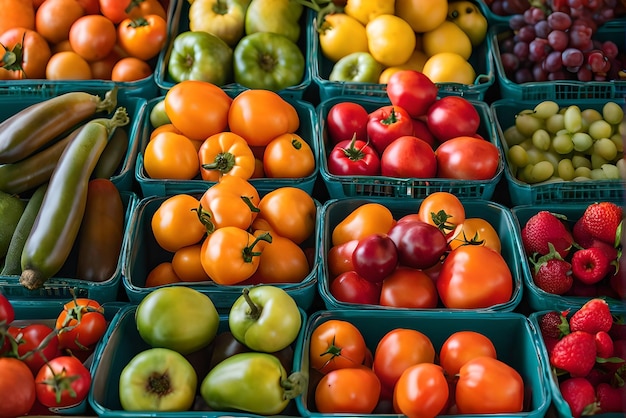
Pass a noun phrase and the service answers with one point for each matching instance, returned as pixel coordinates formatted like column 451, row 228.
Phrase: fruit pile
column 586, row 349
column 578, row 258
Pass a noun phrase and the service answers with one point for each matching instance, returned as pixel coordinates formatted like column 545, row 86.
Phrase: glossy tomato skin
column 353, row 157
column 18, row 391
column 7, row 313
column 29, row 338
column 462, row 346
column 339, row 258
column 474, row 277
column 467, row 158
column 452, row 116
column 336, row 344
column 420, row 130
column 346, row 120
column 68, row 368
column 352, row 390
column 413, row 91
column 351, row 287
column 420, row 244
column 408, row 156
column 408, row 288
column 422, row 390
column 375, row 257
column 386, row 124
column 82, row 323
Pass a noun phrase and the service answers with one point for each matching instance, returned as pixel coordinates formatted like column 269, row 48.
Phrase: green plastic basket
column 120, row 344
column 143, row 253
column 537, row 299
column 335, row 210
column 521, row 193
column 60, row 287
column 402, row 188
column 512, row 334
column 179, row 23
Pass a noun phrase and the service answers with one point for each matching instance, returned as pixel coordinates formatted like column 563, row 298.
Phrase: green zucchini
column 13, row 259
column 57, row 224
column 37, row 125
column 112, row 156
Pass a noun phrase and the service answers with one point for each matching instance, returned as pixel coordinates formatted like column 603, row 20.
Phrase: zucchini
column 13, row 259
column 37, row 125
column 57, row 224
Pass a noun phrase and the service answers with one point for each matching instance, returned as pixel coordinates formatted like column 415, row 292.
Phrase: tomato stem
column 248, row 252
column 224, row 162
column 205, row 217
column 248, row 202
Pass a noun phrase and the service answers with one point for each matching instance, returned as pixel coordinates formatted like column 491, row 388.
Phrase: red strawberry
column 580, row 234
column 543, row 228
column 551, row 273
column 601, row 220
column 553, row 325
column 580, row 395
column 611, row 399
column 575, row 353
column 618, row 329
column 604, row 344
column 594, row 316
column 590, row 265
column 581, row 289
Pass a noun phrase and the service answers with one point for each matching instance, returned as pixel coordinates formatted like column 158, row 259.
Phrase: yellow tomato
column 416, row 62
column 422, row 15
column 366, row 10
column 447, row 37
column 390, row 40
column 341, row 35
column 468, row 17
column 448, row 67
column 477, row 231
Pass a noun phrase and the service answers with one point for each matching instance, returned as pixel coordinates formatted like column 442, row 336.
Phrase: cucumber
column 11, row 209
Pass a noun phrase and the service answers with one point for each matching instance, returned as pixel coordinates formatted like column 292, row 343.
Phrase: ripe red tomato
column 420, row 130
column 467, row 158
column 64, row 369
column 375, row 257
column 351, row 287
column 409, row 288
column 29, row 338
column 408, row 156
column 17, row 386
column 345, row 120
column 474, row 277
column 7, row 313
column 353, row 158
column 452, row 116
column 386, row 124
column 336, row 344
column 419, row 244
column 421, row 391
column 462, row 346
column 339, row 258
column 412, row 90
column 353, row 390
column 88, row 323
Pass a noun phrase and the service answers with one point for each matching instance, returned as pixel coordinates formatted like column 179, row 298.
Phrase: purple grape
column 558, row 40
column 538, row 49
column 559, row 21
column 597, row 62
column 604, row 15
column 506, row 45
column 610, row 49
column 580, row 37
column 510, row 62
column 572, row 57
column 539, row 74
column 575, row 4
column 553, row 62
column 584, row 74
column 521, row 50
column 516, row 22
column 526, row 33
column 523, row 75
column 542, row 29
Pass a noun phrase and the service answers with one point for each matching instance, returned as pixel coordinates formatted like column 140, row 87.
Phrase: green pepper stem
column 294, row 385
column 255, row 311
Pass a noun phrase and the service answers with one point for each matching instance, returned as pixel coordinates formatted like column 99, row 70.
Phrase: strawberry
column 594, row 316
column 575, row 353
column 601, row 220
column 618, row 329
column 580, row 395
column 543, row 228
column 590, row 265
column 551, row 273
column 553, row 325
column 610, row 398
column 604, row 344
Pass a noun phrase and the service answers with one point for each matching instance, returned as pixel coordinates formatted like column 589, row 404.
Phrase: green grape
column 563, row 143
column 512, row 136
column 581, row 161
column 621, row 167
column 518, row 156
column 535, row 155
column 541, row 139
column 582, row 172
column 590, row 115
column 621, row 128
column 582, row 141
column 565, row 169
column 605, row 148
column 600, row 129
column 539, row 172
column 611, row 171
column 612, row 113
column 573, row 119
column 618, row 140
column 598, row 174
column 527, row 144
column 597, row 161
column 555, row 123
column 527, row 124
column 546, row 109
column 553, row 158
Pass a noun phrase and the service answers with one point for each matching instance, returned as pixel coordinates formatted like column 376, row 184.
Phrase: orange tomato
column 353, row 390
column 187, row 265
column 261, row 115
column 367, row 219
column 68, row 65
column 197, row 108
column 175, row 223
column 290, row 211
column 232, row 201
column 462, row 346
column 162, row 274
column 142, row 37
column 477, row 231
column 288, row 156
column 54, row 18
column 443, row 210
column 168, row 127
column 130, row 69
column 35, row 52
column 92, row 37
column 225, row 153
column 171, row 156
column 421, row 391
column 17, row 13
column 281, row 261
column 406, row 287
column 336, row 344
column 146, row 7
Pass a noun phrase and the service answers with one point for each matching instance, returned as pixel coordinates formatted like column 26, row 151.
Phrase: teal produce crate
column 166, row 187
column 143, row 253
column 179, row 23
column 539, row 300
column 122, row 342
column 403, row 188
column 335, row 210
column 559, row 407
column 124, row 176
column 321, row 67
column 504, row 112
column 60, row 287
column 512, row 334
column 559, row 89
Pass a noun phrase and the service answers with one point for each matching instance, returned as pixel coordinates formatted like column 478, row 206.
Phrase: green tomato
column 265, row 60
column 276, row 16
column 200, row 56
column 358, row 67
column 251, row 382
column 158, row 116
column 265, row 318
column 158, row 379
column 177, row 317
column 223, row 18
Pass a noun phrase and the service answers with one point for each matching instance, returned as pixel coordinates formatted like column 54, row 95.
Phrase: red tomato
column 87, row 322
column 31, row 50
column 375, row 257
column 474, row 277
column 399, row 349
column 408, row 157
column 350, row 287
column 462, row 346
column 353, row 157
column 452, row 116
column 336, row 344
column 412, row 90
column 60, row 371
column 346, row 120
column 339, row 258
column 353, row 390
column 420, row 130
column 386, row 124
column 409, row 288
column 29, row 338
column 7, row 313
column 92, row 37
column 421, row 391
column 489, row 386
column 419, row 244
column 467, row 158
column 17, row 386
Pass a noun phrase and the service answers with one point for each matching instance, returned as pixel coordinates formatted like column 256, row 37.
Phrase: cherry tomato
column 444, row 210
column 81, row 324
column 115, row 10
column 54, row 19
column 477, row 231
column 187, row 265
column 467, row 158
column 52, row 378
column 353, row 390
column 68, row 65
column 336, row 344
column 339, row 258
column 346, row 120
column 142, row 37
column 419, row 244
column 17, row 386
column 29, row 338
column 375, row 257
column 421, row 391
column 161, row 274
column 350, row 287
column 462, row 346
column 408, row 288
column 175, row 223
column 288, row 156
